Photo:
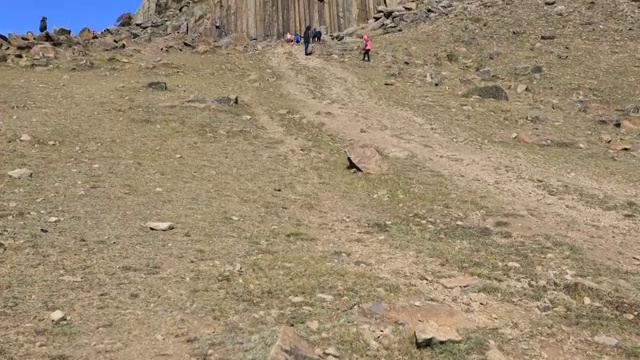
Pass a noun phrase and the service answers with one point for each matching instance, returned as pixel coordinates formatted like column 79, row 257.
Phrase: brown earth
column 270, row 227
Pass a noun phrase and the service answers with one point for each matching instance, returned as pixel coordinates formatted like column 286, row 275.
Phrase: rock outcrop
column 257, row 19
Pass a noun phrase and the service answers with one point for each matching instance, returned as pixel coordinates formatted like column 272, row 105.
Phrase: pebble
column 606, row 340
column 389, row 82
column 57, row 316
column 628, row 316
column 25, row 137
column 549, row 2
column 20, row 173
column 325, row 297
column 332, row 351
column 313, row 325
column 513, row 265
column 521, row 88
column 160, row 226
column 54, row 219
column 586, row 301
column 296, row 299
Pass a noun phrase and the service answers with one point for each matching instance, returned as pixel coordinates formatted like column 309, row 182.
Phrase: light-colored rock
column 54, row 219
column 20, row 173
column 160, row 226
column 289, row 346
column 68, row 278
column 325, row 297
column 461, row 281
column 521, row 88
column 332, row 351
column 25, row 137
column 45, row 50
column 389, row 82
column 57, row 316
column 366, row 159
column 514, row 265
column 495, row 354
column 586, row 301
column 605, row 138
column 313, row 325
column 606, row 340
column 430, row 333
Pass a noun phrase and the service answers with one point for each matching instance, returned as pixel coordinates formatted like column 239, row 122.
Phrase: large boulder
column 60, row 31
column 43, row 51
column 125, row 20
column 107, row 43
column 87, row 34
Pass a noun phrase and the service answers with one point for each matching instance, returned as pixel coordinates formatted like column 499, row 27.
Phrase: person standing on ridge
column 307, row 39
column 43, row 24
column 367, row 48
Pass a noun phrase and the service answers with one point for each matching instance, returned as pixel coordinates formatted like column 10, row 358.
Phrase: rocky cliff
column 258, row 19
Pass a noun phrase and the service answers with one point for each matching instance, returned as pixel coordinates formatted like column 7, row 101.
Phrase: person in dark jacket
column 307, row 39
column 43, row 24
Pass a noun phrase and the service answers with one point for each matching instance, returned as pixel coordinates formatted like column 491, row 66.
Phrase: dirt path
column 400, row 133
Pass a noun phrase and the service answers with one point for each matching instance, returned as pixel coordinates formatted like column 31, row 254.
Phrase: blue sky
column 20, row 16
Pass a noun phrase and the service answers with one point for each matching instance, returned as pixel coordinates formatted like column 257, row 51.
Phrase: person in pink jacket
column 367, row 48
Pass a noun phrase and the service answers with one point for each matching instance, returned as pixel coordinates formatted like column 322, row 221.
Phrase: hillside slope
column 511, row 222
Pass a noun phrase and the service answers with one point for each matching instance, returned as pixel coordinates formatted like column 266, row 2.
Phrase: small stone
column 54, row 219
column 628, row 316
column 586, row 301
column 521, row 88
column 605, row 138
column 606, row 340
column 462, row 281
column 313, row 325
column 548, row 34
column 325, row 297
column 290, row 346
column 522, row 70
column 160, row 226
column 429, row 334
column 157, row 85
column 332, row 351
column 25, row 137
column 549, row 2
column 513, row 265
column 20, row 173
column 57, row 316
column 296, row 299
column 71, row 278
column 389, row 82
column 234, row 218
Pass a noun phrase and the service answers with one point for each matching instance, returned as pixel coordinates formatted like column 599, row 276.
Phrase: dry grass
column 266, row 211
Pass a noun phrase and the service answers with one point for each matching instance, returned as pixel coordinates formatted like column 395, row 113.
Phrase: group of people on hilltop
column 315, row 35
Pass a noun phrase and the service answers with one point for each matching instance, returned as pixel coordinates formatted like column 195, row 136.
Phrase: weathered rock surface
column 290, row 346
column 366, row 159
column 430, row 333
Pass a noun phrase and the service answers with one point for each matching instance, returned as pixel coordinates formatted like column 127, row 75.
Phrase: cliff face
column 257, row 18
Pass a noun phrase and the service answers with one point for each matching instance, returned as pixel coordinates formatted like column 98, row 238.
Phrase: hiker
column 296, row 38
column 43, row 24
column 367, row 48
column 307, row 39
column 289, row 37
column 317, row 35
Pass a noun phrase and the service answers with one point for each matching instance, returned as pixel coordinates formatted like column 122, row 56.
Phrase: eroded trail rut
column 358, row 117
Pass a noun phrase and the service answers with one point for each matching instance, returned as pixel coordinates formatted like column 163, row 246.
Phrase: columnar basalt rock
column 258, row 19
